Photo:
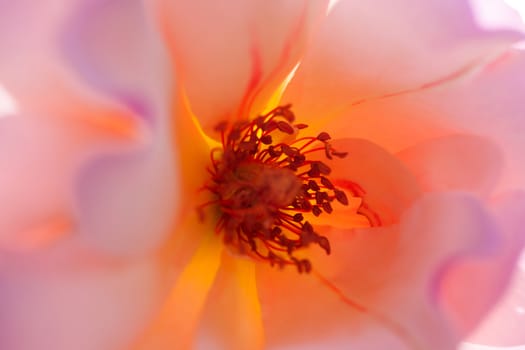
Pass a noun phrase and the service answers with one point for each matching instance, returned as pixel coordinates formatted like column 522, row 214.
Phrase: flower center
column 263, row 182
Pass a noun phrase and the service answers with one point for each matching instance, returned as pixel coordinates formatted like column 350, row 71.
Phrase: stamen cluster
column 263, row 185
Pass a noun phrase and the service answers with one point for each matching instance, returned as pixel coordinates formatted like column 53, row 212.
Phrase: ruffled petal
column 232, row 55
column 71, row 298
column 379, row 283
column 456, row 162
column 491, row 275
column 374, row 49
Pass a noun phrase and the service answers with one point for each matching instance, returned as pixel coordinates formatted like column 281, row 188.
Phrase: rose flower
column 256, row 174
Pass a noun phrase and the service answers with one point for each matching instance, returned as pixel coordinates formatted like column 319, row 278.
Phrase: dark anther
column 298, row 217
column 259, row 121
column 266, row 139
column 325, row 244
column 323, row 137
column 341, row 197
column 285, row 127
column 328, row 151
column 274, row 151
column 306, row 205
column 323, row 168
column 276, row 231
column 234, row 135
column 290, row 151
column 327, row 207
column 307, row 266
column 326, row 183
column 221, row 127
column 313, row 185
column 339, row 154
column 287, row 113
column 314, row 170
column 307, row 227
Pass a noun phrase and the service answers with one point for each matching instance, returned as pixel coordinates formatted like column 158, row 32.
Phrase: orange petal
column 245, row 50
column 232, row 318
column 175, row 325
column 389, row 187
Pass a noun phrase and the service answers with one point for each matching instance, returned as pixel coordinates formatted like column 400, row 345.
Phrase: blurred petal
column 243, row 52
column 108, row 179
column 456, row 162
column 114, row 47
column 28, row 33
column 41, row 155
column 69, row 298
column 373, row 49
column 127, row 200
column 127, row 165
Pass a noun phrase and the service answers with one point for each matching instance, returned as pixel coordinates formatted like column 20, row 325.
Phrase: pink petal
column 503, row 327
column 367, row 50
column 114, row 46
column 69, row 298
column 392, row 271
column 456, row 162
column 490, row 105
column 389, row 187
column 491, row 275
column 231, row 55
